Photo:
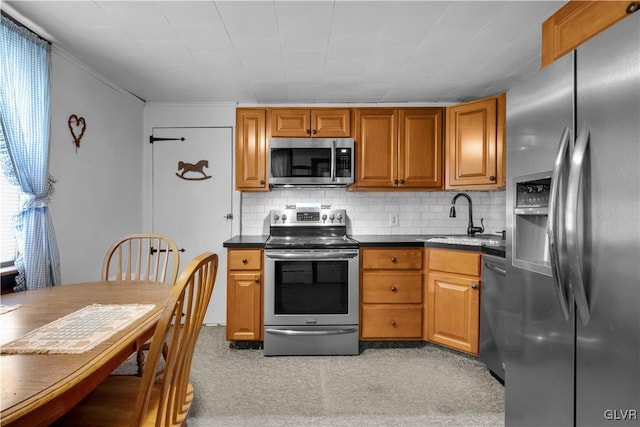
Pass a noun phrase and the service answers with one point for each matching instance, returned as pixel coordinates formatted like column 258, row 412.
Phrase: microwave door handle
column 333, row 160
column 571, row 223
column 554, row 237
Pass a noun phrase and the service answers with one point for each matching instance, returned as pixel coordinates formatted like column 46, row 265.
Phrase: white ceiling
column 275, row 52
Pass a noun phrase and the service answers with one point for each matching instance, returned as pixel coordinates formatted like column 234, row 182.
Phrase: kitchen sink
column 478, row 240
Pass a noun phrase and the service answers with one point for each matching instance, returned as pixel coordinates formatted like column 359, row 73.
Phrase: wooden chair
column 142, row 257
column 147, row 400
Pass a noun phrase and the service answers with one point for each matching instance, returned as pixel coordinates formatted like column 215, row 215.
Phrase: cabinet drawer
column 460, row 262
column 392, row 259
column 392, row 322
column 241, row 259
column 392, row 287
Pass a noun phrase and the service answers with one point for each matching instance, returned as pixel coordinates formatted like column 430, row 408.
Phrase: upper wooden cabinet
column 475, row 145
column 578, row 21
column 398, row 148
column 251, row 149
column 314, row 123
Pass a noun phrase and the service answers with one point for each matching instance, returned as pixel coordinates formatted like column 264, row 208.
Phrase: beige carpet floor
column 409, row 384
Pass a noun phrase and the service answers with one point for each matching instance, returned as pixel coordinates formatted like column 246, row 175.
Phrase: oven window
column 311, row 287
column 300, row 162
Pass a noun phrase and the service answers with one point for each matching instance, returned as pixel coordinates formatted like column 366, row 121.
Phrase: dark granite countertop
column 409, row 240
column 386, row 240
column 245, row 242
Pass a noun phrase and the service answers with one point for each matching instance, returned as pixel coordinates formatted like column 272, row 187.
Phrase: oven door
column 311, row 287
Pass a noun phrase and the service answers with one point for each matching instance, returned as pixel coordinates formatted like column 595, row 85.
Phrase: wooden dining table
column 36, row 389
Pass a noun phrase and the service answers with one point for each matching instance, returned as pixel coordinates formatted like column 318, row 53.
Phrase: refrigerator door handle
column 571, row 223
column 556, row 244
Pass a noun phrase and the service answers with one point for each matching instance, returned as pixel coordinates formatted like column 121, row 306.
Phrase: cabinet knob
column 393, row 323
column 308, row 131
column 262, row 182
column 257, row 280
column 492, row 178
column 393, row 259
column 314, row 131
column 394, row 289
column 395, row 181
column 402, row 181
column 474, row 286
column 244, row 260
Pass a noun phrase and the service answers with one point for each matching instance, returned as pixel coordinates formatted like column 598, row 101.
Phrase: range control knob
column 339, row 217
column 331, row 217
column 284, row 217
column 324, row 217
column 276, row 217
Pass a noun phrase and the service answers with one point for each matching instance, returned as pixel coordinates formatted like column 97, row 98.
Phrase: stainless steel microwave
column 312, row 162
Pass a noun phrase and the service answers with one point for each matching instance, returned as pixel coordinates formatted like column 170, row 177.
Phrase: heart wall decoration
column 77, row 126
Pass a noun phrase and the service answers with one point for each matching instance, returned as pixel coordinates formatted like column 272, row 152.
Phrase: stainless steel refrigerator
column 573, row 238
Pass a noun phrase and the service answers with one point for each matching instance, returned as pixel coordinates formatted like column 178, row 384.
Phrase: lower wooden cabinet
column 391, row 294
column 405, row 294
column 244, row 295
column 452, row 312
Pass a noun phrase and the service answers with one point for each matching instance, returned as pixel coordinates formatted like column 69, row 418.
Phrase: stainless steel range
column 311, row 283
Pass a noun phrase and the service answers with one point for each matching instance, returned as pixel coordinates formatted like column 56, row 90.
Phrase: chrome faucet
column 471, row 230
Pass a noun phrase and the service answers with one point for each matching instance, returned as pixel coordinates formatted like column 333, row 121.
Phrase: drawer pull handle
column 394, row 289
column 393, row 323
column 244, row 260
column 393, row 259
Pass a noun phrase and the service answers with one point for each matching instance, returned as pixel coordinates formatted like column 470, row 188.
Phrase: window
column 9, row 205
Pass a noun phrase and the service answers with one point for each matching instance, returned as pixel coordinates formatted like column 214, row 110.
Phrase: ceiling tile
column 299, row 51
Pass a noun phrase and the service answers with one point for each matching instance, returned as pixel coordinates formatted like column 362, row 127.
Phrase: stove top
column 309, row 227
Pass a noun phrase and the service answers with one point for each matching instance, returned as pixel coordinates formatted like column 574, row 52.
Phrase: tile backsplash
column 370, row 212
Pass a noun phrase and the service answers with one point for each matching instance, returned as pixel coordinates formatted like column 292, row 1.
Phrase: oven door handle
column 292, row 332
column 312, row 256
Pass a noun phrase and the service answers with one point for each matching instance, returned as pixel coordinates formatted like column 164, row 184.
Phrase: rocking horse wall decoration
column 193, row 167
column 77, row 126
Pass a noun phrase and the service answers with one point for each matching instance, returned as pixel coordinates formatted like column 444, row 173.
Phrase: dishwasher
column 492, row 319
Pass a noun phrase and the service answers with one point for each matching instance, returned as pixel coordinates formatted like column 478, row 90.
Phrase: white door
column 192, row 190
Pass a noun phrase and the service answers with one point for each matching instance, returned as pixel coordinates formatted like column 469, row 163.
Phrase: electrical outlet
column 393, row 220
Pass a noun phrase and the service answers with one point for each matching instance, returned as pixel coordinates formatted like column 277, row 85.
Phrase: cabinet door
column 290, row 122
column 376, row 137
column 331, row 123
column 251, row 150
column 420, row 157
column 244, row 306
column 475, row 141
column 453, row 309
column 575, row 23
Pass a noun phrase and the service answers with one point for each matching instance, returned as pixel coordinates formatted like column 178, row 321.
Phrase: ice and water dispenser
column 530, row 244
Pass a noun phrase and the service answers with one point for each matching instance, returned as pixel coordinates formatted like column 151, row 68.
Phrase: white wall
column 98, row 193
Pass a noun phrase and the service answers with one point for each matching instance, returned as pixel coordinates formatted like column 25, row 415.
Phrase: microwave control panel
column 533, row 194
